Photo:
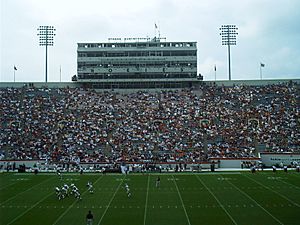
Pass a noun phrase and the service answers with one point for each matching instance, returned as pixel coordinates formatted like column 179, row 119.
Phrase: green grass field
column 264, row 198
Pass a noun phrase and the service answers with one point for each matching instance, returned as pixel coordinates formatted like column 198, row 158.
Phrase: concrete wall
column 39, row 84
column 270, row 159
column 218, row 83
column 233, row 163
column 250, row 82
column 27, row 163
column 90, row 166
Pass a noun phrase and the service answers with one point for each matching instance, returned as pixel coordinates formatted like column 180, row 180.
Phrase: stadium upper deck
column 137, row 63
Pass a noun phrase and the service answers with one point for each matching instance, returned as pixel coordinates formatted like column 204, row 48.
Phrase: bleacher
column 74, row 124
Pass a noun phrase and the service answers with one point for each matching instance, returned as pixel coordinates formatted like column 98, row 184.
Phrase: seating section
column 72, row 125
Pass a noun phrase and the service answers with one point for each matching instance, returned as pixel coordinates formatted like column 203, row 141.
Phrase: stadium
column 142, row 134
column 212, row 145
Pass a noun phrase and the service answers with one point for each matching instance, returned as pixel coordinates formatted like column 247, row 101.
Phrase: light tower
column 228, row 33
column 46, row 34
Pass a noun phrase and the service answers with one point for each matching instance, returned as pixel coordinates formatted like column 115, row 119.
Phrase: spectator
column 73, row 126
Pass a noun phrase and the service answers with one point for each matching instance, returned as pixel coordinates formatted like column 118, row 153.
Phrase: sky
column 268, row 33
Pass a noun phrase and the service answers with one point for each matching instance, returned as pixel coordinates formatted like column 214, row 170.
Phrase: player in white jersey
column 67, row 189
column 90, row 187
column 59, row 174
column 127, row 190
column 77, row 194
column 64, row 192
column 253, row 169
column 58, row 193
column 74, row 189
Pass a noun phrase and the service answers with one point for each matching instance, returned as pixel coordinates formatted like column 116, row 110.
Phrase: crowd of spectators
column 189, row 125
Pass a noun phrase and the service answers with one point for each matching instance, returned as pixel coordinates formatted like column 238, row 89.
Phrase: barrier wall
column 270, row 159
column 17, row 163
column 218, row 83
column 235, row 163
column 42, row 165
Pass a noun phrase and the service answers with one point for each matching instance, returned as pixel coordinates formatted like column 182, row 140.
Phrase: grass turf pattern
column 182, row 199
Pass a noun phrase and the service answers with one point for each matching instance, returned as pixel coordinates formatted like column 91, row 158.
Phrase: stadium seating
column 78, row 125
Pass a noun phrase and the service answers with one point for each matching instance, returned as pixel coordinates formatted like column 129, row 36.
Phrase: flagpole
column 215, row 72
column 261, row 65
column 260, row 72
column 158, row 28
column 15, row 68
column 60, row 73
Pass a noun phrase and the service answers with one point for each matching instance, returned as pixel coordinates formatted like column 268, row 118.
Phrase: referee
column 157, row 183
column 89, row 218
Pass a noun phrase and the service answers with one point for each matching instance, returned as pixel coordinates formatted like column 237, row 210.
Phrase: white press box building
column 137, row 63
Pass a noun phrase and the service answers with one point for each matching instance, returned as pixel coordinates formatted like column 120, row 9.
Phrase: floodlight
column 228, row 33
column 46, row 34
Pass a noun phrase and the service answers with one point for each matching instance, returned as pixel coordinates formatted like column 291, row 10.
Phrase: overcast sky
column 269, row 32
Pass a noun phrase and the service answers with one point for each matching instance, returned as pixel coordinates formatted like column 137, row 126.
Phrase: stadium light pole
column 228, row 33
column 46, row 34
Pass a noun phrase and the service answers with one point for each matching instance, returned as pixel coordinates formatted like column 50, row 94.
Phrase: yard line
column 146, row 203
column 290, row 184
column 286, row 182
column 29, row 208
column 217, row 200
column 6, row 176
column 67, row 210
column 296, row 204
column 293, row 174
column 255, row 202
column 7, row 200
column 110, row 201
column 181, row 201
column 7, row 185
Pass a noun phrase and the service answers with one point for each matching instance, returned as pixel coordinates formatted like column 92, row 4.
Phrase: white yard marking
column 71, row 179
column 110, row 202
column 146, row 202
column 25, row 191
column 244, row 193
column 3, row 187
column 217, row 200
column 22, row 214
column 120, row 179
column 290, row 184
column 296, row 204
column 187, row 217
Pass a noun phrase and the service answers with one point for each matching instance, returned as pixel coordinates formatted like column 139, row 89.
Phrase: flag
column 15, row 68
column 262, row 64
column 215, row 68
column 155, row 26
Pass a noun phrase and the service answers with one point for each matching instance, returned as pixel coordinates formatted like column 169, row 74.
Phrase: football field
column 220, row 198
